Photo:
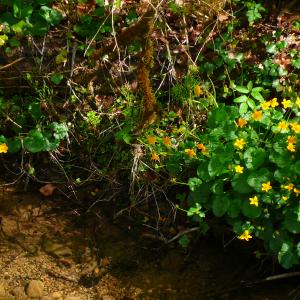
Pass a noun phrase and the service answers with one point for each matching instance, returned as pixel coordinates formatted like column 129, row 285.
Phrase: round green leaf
column 254, row 157
column 220, row 205
column 250, row 211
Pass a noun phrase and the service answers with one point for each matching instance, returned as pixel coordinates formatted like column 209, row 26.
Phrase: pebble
column 35, row 289
column 108, row 297
column 2, row 289
column 57, row 295
column 19, row 292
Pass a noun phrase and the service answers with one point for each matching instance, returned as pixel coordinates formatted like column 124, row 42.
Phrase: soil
column 56, row 252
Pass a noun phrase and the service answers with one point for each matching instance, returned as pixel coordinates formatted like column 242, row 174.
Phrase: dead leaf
column 47, row 190
column 222, row 17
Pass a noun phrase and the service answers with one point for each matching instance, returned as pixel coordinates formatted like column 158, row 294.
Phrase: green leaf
column 240, row 184
column 250, row 211
column 184, row 241
column 14, row 145
column 202, row 170
column 60, row 130
column 250, row 85
column 234, row 208
column 254, row 157
column 296, row 63
column 52, row 16
column 217, row 187
column 286, row 257
column 3, row 39
column 57, row 78
column 240, row 99
column 241, row 89
column 220, row 205
column 35, row 141
column 34, row 109
column 257, row 177
column 255, row 93
column 282, row 159
column 251, row 103
column 272, row 48
column 193, row 183
column 243, row 108
column 292, row 221
column 297, row 167
column 216, row 166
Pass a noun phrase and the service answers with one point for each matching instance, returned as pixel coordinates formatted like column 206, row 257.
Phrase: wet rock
column 73, row 298
column 9, row 226
column 19, row 293
column 57, row 295
column 2, row 289
column 35, row 289
column 53, row 296
column 107, row 297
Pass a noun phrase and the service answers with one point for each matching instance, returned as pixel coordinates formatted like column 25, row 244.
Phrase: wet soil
column 88, row 256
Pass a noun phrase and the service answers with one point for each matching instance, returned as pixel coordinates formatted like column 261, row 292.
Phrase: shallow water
column 90, row 256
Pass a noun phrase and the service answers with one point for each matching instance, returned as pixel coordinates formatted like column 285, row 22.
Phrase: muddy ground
column 50, row 250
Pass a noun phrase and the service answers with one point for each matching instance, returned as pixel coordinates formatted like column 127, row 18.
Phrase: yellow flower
column 154, row 157
column 151, row 139
column 239, row 169
column 245, row 236
column 265, row 187
column 198, row 91
column 291, row 139
column 291, row 147
column 289, row 187
column 190, row 152
column 274, row 102
column 296, row 191
column 254, row 201
column 265, row 105
column 284, row 198
column 286, row 103
column 202, row 148
column 295, row 127
column 283, row 125
column 167, row 141
column 239, row 143
column 257, row 115
column 3, row 148
column 298, row 102
column 241, row 122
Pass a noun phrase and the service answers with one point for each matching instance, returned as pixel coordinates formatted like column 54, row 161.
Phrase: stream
column 49, row 250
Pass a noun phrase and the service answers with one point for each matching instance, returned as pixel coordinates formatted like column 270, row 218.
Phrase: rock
column 19, row 293
column 57, row 295
column 35, row 289
column 2, row 289
column 108, row 297
column 73, row 298
column 9, row 226
column 48, row 297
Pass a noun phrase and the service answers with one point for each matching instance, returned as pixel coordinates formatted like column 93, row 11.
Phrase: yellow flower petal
column 239, row 169
column 286, row 103
column 257, row 115
column 254, row 201
column 151, row 140
column 190, row 152
column 265, row 187
column 239, row 143
column 245, row 236
column 3, row 148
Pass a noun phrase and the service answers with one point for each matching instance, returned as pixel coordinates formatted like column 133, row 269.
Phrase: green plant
column 247, row 169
